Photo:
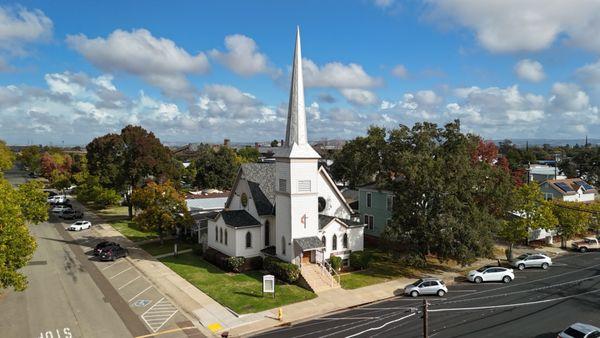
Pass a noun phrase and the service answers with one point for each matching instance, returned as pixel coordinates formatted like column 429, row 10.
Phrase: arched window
column 345, row 241
column 216, row 234
column 267, row 232
column 221, row 235
column 334, row 243
column 248, row 240
column 225, row 236
column 324, row 241
column 282, row 245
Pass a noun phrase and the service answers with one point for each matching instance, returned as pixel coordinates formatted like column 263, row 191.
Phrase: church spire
column 295, row 132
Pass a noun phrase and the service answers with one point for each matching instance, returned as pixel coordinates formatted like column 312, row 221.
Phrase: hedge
column 284, row 271
column 360, row 259
column 336, row 263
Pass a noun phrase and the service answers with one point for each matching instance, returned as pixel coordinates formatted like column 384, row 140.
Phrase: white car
column 580, row 330
column 57, row 199
column 491, row 274
column 530, row 260
column 79, row 225
column 426, row 286
column 60, row 208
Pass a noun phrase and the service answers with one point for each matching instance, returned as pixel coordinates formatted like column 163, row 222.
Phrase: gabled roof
column 335, row 189
column 238, row 218
column 261, row 181
column 570, row 186
column 324, row 220
column 309, row 243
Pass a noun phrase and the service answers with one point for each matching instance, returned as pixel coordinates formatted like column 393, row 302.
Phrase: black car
column 104, row 244
column 110, row 253
column 71, row 214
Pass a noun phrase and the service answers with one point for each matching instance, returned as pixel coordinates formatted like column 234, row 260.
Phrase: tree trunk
column 509, row 254
column 129, row 204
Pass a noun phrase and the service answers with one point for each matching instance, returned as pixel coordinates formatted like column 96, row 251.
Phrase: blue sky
column 204, row 71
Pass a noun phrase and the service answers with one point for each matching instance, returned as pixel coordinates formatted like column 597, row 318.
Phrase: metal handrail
column 331, row 272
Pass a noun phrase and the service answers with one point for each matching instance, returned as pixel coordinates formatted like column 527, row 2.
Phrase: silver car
column 531, row 260
column 580, row 330
column 426, row 286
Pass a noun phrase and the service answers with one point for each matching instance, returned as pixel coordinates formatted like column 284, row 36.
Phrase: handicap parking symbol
column 141, row 303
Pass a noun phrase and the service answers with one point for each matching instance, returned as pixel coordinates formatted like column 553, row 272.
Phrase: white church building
column 291, row 208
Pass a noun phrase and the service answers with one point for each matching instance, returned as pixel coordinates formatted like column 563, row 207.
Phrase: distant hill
column 551, row 142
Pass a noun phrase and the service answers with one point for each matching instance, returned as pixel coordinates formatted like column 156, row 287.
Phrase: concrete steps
column 317, row 279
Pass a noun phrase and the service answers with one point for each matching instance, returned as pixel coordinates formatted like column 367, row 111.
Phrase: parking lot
column 143, row 300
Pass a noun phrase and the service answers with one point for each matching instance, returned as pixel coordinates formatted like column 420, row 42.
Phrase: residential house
column 375, row 208
column 541, row 172
column 568, row 189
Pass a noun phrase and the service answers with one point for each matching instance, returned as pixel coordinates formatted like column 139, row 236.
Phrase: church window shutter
column 282, row 185
column 334, row 243
column 304, row 186
column 248, row 240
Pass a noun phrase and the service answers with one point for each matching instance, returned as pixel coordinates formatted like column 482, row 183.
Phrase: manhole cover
column 141, row 303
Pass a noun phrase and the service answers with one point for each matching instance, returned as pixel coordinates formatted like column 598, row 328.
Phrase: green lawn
column 130, row 230
column 156, row 249
column 384, row 267
column 240, row 292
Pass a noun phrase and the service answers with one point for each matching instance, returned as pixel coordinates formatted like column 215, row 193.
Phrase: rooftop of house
column 570, row 186
column 324, row 220
column 239, row 218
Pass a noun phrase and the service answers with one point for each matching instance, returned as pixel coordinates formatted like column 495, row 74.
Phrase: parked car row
column 435, row 286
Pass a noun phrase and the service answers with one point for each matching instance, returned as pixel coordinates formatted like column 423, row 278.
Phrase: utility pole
column 425, row 319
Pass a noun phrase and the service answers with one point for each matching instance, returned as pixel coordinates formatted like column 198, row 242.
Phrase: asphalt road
column 537, row 303
column 71, row 294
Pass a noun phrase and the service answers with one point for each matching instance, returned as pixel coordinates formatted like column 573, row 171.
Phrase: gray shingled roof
column 324, row 220
column 261, row 179
column 239, row 218
column 309, row 243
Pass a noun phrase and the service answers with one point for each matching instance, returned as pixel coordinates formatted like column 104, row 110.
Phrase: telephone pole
column 425, row 319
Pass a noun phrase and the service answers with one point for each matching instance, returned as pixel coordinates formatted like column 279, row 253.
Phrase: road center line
column 382, row 326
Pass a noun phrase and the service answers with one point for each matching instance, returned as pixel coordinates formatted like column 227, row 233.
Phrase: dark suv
column 71, row 214
column 110, row 253
column 102, row 245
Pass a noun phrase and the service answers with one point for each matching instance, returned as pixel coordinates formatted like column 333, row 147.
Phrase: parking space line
column 131, row 281
column 134, row 297
column 106, row 267
column 129, row 268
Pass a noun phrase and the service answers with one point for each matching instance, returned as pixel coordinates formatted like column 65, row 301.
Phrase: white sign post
column 269, row 284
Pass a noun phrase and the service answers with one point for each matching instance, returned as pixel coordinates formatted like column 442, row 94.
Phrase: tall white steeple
column 296, row 140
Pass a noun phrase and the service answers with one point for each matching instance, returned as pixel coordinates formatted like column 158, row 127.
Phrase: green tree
column 123, row 161
column 448, row 199
column 216, row 169
column 17, row 207
column 6, row 157
column 162, row 207
column 530, row 212
column 249, row 154
column 91, row 191
column 274, row 143
column 571, row 219
column 360, row 160
column 31, row 157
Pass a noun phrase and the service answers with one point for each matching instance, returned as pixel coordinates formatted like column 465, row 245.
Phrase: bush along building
column 375, row 207
column 288, row 211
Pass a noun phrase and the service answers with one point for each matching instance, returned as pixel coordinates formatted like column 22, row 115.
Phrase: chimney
column 226, row 142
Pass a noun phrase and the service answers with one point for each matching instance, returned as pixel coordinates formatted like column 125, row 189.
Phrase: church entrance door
column 305, row 257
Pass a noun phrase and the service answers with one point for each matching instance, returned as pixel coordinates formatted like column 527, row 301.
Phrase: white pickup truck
column 588, row 243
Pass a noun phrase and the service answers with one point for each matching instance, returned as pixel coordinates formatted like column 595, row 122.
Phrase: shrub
column 413, row 261
column 336, row 262
column 360, row 259
column 197, row 249
column 234, row 263
column 284, row 271
column 217, row 258
column 255, row 263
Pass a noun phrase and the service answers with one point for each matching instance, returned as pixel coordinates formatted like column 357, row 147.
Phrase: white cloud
column 530, row 70
column 156, row 60
column 337, row 75
column 360, row 97
column 242, row 56
column 523, row 25
column 22, row 25
column 590, row 74
column 400, row 71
